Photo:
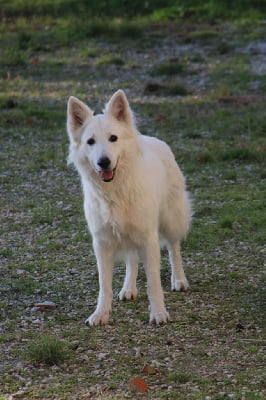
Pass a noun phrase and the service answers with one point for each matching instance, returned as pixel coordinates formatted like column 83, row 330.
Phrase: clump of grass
column 204, row 34
column 89, row 52
column 240, row 154
column 12, row 58
column 168, row 67
column 96, row 27
column 175, row 88
column 180, row 377
column 24, row 285
column 230, row 175
column 47, row 350
column 6, row 252
column 226, row 222
column 110, row 59
column 24, row 40
column 223, row 47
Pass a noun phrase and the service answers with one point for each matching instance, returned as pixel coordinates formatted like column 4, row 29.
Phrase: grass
column 214, row 346
column 168, row 67
column 48, row 350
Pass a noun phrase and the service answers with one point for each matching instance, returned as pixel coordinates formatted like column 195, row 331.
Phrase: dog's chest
column 122, row 220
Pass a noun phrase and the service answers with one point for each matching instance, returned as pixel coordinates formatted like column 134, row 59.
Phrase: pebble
column 20, row 271
column 18, row 394
column 101, row 356
column 36, row 321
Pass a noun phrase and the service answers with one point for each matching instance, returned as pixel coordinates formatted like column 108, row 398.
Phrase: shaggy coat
column 134, row 199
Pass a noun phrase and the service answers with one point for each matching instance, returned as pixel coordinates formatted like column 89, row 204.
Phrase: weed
column 171, row 67
column 180, row 377
column 47, row 350
column 204, row 35
column 110, row 59
column 6, row 252
column 13, row 58
column 240, row 154
column 170, row 88
column 227, row 222
column 25, row 285
column 92, row 52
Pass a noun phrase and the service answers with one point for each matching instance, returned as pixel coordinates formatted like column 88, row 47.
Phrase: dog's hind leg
column 105, row 261
column 129, row 290
column 178, row 280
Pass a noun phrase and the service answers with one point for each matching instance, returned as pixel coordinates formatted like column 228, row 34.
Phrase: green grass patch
column 110, row 59
column 180, row 377
column 24, row 285
column 48, row 350
column 204, row 35
column 168, row 67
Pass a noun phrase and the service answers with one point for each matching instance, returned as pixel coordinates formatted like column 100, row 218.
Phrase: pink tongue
column 106, row 175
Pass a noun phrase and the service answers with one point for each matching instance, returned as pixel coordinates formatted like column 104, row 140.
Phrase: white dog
column 134, row 198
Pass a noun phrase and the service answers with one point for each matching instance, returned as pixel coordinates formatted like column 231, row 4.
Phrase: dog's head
column 99, row 139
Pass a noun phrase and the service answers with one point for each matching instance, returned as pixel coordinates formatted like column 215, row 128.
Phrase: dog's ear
column 119, row 108
column 77, row 114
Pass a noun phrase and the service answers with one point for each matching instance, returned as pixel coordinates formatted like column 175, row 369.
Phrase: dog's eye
column 113, row 138
column 90, row 141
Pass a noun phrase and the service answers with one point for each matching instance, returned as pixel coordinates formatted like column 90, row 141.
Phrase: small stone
column 20, row 365
column 101, row 356
column 19, row 394
column 20, row 271
column 138, row 353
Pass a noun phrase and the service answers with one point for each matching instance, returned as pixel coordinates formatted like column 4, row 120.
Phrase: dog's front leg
column 158, row 313
column 105, row 262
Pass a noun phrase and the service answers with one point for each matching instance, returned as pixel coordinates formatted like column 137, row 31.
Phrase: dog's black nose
column 104, row 162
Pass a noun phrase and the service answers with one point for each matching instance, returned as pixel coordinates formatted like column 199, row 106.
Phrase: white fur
column 145, row 202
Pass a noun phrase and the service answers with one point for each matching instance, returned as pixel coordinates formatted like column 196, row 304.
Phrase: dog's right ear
column 77, row 114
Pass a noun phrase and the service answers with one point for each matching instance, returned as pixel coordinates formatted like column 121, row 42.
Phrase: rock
column 20, row 271
column 19, row 394
column 257, row 48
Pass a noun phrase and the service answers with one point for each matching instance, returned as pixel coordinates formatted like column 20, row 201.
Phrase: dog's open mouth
column 107, row 174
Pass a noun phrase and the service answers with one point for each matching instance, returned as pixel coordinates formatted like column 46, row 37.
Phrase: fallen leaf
column 160, row 117
column 203, row 159
column 150, row 370
column 35, row 60
column 46, row 305
column 138, row 384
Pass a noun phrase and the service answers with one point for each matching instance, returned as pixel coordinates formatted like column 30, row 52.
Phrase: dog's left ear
column 119, row 108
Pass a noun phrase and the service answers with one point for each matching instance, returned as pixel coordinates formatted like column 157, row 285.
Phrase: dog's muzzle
column 106, row 174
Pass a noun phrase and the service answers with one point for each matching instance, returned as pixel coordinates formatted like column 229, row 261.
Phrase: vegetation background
column 194, row 72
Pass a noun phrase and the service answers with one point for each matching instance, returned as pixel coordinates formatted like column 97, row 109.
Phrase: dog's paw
column 180, row 285
column 98, row 318
column 159, row 317
column 127, row 293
